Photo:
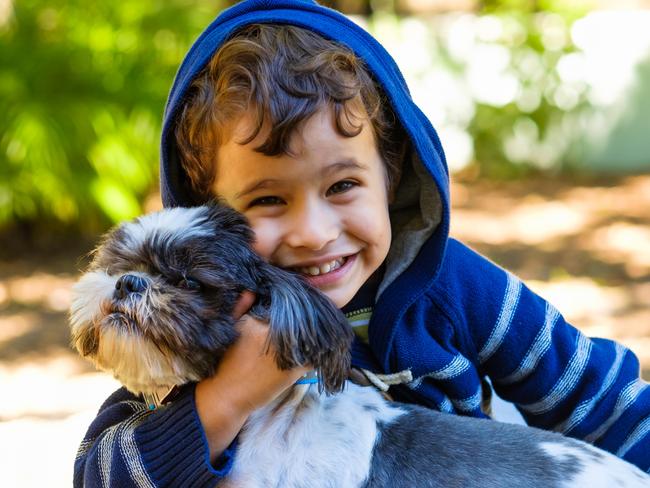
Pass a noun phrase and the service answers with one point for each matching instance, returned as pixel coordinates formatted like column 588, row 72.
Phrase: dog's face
column 155, row 307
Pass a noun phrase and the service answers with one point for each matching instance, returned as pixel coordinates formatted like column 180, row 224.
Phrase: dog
column 155, row 309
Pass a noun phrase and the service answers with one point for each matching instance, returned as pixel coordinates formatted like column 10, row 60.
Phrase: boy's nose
column 313, row 227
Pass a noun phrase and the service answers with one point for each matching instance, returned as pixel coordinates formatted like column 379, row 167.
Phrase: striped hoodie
column 443, row 313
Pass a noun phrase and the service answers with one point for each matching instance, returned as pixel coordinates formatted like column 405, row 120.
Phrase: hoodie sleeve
column 558, row 378
column 128, row 445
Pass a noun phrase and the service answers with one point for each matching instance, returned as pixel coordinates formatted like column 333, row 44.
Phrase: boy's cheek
column 265, row 236
column 371, row 222
column 262, row 249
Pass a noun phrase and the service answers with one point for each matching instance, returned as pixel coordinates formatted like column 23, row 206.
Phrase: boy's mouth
column 322, row 269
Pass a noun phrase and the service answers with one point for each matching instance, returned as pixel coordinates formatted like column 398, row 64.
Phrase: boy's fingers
column 244, row 303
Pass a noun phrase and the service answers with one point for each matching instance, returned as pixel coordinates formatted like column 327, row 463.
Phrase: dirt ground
column 585, row 246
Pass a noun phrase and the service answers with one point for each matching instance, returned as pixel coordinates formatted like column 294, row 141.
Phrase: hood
column 420, row 210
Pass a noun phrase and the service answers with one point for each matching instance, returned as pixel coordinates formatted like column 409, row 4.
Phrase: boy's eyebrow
column 345, row 164
column 258, row 185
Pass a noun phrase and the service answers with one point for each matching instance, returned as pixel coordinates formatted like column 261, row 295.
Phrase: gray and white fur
column 155, row 309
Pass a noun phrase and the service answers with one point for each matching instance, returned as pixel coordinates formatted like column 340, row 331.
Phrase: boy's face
column 323, row 211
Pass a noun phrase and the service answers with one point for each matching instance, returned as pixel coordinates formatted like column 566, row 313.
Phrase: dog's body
column 155, row 308
column 358, row 439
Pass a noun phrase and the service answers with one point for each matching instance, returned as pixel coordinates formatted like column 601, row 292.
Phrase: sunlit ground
column 585, row 247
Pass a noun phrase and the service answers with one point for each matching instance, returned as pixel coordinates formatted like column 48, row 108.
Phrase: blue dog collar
column 310, row 378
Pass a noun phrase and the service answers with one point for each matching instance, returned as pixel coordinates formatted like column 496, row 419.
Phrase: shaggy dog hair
column 155, row 309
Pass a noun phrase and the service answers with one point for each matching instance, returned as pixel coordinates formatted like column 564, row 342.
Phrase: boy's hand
column 247, row 378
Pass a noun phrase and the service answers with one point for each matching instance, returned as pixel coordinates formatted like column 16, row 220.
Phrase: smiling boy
column 321, row 211
column 298, row 119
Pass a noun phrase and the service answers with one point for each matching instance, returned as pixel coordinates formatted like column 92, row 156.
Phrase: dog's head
column 155, row 306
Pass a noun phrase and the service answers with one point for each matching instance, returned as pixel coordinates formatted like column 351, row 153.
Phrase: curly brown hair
column 285, row 74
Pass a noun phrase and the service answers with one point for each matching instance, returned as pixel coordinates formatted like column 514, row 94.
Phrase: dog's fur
column 155, row 308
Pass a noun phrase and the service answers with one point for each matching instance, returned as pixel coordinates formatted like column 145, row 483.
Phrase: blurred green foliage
column 533, row 132
column 82, row 91
column 83, row 87
column 569, row 10
column 495, row 75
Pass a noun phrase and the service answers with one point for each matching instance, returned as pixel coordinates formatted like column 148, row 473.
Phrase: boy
column 301, row 121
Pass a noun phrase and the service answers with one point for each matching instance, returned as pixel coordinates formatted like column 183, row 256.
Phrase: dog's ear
column 227, row 257
column 226, row 219
column 306, row 328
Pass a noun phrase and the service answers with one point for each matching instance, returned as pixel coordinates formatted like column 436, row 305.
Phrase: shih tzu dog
column 155, row 308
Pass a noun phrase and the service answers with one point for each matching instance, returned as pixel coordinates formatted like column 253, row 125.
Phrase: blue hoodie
column 444, row 315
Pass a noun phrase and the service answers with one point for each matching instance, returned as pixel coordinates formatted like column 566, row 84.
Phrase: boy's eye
column 265, row 201
column 189, row 284
column 341, row 187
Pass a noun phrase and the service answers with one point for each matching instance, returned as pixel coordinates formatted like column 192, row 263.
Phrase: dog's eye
column 189, row 283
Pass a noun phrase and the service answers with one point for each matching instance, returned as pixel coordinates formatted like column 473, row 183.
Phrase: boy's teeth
column 322, row 269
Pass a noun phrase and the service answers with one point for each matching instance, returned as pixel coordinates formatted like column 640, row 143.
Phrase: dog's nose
column 128, row 283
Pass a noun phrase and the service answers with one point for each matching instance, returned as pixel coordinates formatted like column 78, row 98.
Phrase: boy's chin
column 340, row 297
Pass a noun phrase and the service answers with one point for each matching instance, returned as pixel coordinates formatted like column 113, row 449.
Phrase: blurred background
column 542, row 107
